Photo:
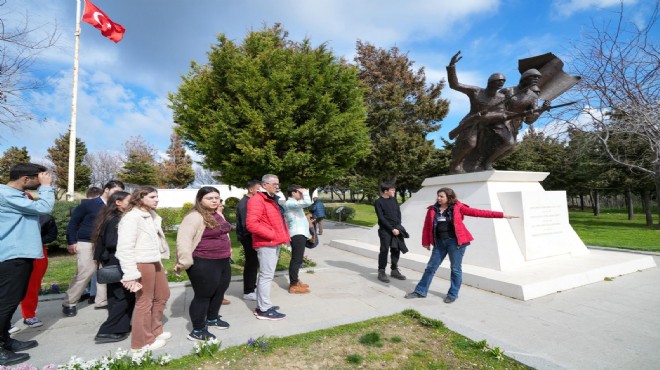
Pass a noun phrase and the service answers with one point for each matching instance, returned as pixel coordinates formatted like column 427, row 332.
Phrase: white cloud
column 566, row 8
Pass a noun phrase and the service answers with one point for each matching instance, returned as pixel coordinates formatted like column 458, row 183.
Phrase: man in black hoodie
column 389, row 216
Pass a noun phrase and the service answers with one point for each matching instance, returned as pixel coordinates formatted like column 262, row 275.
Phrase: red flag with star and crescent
column 98, row 19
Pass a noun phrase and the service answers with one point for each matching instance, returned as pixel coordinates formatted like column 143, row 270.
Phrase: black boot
column 397, row 274
column 8, row 358
column 382, row 276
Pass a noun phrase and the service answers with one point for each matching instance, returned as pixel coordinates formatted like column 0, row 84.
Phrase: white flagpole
column 74, row 100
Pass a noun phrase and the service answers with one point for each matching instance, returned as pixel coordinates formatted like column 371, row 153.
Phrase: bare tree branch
column 20, row 44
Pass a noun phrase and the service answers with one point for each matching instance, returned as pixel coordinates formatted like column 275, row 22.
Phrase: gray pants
column 86, row 268
column 267, row 263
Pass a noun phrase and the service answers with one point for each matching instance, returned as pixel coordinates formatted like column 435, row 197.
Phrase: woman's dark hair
column 138, row 194
column 451, row 195
column 292, row 189
column 209, row 221
column 109, row 211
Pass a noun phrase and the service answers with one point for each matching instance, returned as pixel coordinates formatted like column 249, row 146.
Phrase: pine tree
column 59, row 155
column 273, row 105
column 177, row 171
column 10, row 157
column 401, row 111
column 140, row 167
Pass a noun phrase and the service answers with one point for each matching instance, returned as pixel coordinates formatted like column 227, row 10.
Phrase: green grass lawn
column 612, row 229
column 365, row 214
column 402, row 341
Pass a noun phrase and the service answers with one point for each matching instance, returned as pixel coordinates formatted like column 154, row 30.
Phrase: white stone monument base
column 527, row 257
column 535, row 279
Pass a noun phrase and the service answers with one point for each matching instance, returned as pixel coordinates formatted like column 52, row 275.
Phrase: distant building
column 175, row 198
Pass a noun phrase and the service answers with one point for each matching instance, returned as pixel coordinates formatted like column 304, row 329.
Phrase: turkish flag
column 98, row 19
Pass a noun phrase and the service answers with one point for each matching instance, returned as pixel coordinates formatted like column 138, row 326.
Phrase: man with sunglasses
column 20, row 241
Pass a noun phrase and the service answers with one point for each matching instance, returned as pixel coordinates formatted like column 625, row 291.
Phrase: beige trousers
column 86, row 268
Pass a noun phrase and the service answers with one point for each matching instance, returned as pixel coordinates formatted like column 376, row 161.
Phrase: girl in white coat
column 140, row 246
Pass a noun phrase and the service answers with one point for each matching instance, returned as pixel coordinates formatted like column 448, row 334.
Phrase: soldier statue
column 488, row 132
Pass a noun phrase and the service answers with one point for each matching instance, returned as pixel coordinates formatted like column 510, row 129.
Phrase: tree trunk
column 657, row 190
column 629, row 203
column 402, row 193
column 581, row 202
column 648, row 208
column 595, row 205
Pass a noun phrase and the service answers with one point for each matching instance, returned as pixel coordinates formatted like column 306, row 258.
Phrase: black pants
column 14, row 279
column 251, row 266
column 385, row 243
column 297, row 254
column 121, row 303
column 210, row 280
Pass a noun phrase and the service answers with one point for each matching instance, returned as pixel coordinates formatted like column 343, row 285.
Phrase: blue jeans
column 441, row 249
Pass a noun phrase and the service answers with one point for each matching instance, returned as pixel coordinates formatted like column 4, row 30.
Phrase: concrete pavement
column 606, row 325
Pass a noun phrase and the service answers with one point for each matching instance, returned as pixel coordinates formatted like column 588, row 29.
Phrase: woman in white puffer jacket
column 141, row 245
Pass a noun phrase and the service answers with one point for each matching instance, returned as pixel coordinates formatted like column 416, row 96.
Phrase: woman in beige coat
column 140, row 246
column 203, row 250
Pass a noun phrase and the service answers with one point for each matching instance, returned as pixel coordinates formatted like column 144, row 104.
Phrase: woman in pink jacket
column 445, row 230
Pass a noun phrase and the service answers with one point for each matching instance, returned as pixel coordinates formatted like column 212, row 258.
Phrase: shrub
column 171, row 217
column 62, row 214
column 347, row 213
column 186, row 208
column 230, row 209
column 231, row 203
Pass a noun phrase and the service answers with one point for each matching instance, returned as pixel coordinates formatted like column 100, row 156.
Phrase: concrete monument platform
column 534, row 255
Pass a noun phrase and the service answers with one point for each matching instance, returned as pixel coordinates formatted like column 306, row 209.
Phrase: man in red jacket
column 265, row 220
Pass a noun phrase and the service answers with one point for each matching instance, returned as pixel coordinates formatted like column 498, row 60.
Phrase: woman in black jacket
column 121, row 302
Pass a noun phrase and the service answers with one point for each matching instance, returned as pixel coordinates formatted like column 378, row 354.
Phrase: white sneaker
column 250, row 296
column 14, row 329
column 158, row 343
column 164, row 336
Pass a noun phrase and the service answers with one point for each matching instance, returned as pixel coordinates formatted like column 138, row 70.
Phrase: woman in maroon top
column 204, row 251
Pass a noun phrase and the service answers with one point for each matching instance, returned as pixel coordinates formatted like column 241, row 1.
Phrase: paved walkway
column 607, row 325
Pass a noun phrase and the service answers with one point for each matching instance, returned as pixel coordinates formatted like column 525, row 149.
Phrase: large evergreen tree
column 272, row 105
column 177, row 171
column 59, row 155
column 140, row 167
column 401, row 111
column 10, row 157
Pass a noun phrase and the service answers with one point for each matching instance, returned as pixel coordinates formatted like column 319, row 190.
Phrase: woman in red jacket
column 444, row 229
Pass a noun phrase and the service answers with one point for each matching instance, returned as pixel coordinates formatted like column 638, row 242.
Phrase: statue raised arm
column 486, row 106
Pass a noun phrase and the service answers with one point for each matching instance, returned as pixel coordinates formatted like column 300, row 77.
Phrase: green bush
column 347, row 213
column 230, row 209
column 61, row 213
column 186, row 208
column 171, row 217
column 231, row 203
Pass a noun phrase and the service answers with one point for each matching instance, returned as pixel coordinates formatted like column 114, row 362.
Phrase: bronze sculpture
column 488, row 132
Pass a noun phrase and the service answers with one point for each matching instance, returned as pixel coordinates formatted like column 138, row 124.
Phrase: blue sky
column 123, row 87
